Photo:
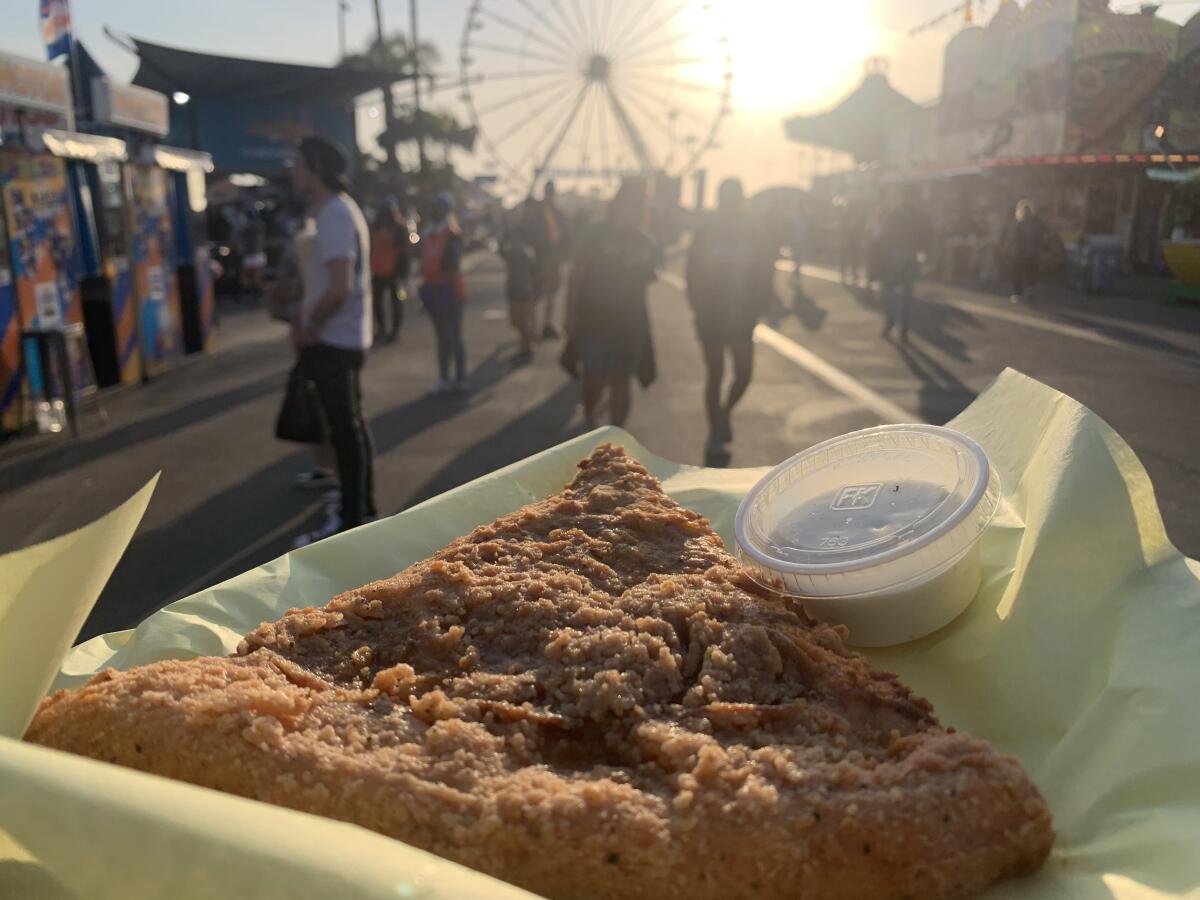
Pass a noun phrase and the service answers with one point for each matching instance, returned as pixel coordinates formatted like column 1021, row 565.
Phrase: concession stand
column 39, row 259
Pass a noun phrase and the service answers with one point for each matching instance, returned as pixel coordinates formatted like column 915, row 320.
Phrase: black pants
column 896, row 285
column 386, row 302
column 335, row 373
column 1024, row 273
column 451, row 349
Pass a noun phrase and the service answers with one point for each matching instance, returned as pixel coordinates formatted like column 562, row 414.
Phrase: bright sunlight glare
column 796, row 55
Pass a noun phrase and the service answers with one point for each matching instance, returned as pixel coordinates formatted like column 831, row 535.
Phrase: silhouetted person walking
column 1027, row 236
column 729, row 286
column 904, row 234
column 607, row 321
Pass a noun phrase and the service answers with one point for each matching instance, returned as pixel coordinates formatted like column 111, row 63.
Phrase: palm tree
column 395, row 54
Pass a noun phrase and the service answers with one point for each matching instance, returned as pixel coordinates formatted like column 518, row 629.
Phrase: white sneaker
column 439, row 387
column 331, row 526
column 1014, row 298
column 316, row 479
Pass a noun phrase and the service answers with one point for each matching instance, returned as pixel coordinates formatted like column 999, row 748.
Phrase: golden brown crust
column 588, row 699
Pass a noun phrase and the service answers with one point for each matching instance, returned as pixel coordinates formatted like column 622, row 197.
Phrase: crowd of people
column 609, row 342
column 350, row 279
column 890, row 243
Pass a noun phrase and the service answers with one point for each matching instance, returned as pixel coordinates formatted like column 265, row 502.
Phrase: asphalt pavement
column 226, row 500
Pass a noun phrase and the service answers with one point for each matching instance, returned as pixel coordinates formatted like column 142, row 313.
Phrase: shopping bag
column 301, row 418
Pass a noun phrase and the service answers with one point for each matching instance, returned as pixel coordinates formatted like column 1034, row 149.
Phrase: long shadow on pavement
column 1131, row 337
column 939, row 323
column 540, row 427
column 65, row 455
column 810, row 314
column 942, row 396
column 251, row 522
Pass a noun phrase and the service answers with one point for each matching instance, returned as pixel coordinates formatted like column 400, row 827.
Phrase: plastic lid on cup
column 868, row 512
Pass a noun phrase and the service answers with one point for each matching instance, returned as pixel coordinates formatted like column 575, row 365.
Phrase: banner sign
column 28, row 84
column 55, row 18
column 130, row 106
column 154, row 282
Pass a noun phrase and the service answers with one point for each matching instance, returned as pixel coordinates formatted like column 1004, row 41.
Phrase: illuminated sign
column 130, row 106
column 29, row 84
column 87, row 147
column 176, row 159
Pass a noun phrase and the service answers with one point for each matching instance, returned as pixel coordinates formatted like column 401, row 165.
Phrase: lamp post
column 415, row 37
column 343, row 6
column 389, row 111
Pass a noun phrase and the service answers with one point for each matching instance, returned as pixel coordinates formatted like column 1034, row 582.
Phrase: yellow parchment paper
column 1081, row 654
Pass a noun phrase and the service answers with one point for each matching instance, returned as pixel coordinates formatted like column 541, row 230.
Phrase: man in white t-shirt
column 333, row 330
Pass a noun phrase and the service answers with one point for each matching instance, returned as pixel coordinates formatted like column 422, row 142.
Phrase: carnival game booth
column 186, row 171
column 44, row 367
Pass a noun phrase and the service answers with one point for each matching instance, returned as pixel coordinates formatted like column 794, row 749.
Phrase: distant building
column 1062, row 101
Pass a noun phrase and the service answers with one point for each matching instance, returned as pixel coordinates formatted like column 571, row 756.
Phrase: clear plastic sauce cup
column 877, row 530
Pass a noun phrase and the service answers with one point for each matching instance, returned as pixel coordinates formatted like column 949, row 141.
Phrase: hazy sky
column 789, row 56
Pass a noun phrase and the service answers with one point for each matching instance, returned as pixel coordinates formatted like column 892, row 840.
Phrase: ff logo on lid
column 856, row 496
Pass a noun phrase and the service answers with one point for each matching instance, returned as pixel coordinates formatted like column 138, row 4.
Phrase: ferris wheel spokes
column 656, row 24
column 663, row 63
column 631, row 23
column 539, row 19
column 558, row 138
column 523, row 95
column 609, row 88
column 528, row 33
column 632, row 136
column 509, row 76
column 697, row 86
column 551, row 104
column 589, row 116
column 523, row 54
column 673, row 107
column 636, row 52
column 606, row 28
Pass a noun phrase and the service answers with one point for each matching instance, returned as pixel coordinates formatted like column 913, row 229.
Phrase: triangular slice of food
column 586, row 698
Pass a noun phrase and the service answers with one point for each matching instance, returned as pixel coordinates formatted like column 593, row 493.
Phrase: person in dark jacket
column 729, row 287
column 389, row 268
column 608, row 327
column 1027, row 236
column 522, row 278
column 905, row 234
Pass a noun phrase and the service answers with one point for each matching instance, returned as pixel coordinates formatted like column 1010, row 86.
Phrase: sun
column 796, row 55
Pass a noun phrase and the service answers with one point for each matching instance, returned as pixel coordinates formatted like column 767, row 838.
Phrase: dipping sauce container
column 877, row 530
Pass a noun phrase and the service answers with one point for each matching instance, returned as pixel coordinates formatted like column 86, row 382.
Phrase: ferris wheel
column 586, row 91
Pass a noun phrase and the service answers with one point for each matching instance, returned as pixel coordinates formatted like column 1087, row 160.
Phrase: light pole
column 389, row 112
column 343, row 5
column 414, row 35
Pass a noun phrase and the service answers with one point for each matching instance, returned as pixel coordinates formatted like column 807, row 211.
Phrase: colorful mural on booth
column 42, row 260
column 153, row 268
column 206, row 290
column 10, row 334
column 125, row 315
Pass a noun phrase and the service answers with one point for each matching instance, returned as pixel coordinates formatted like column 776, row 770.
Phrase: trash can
column 1105, row 255
column 1078, row 266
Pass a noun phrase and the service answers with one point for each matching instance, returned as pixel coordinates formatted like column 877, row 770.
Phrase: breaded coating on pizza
column 589, row 699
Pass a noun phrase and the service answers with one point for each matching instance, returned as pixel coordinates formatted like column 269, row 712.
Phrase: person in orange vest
column 389, row 268
column 444, row 294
